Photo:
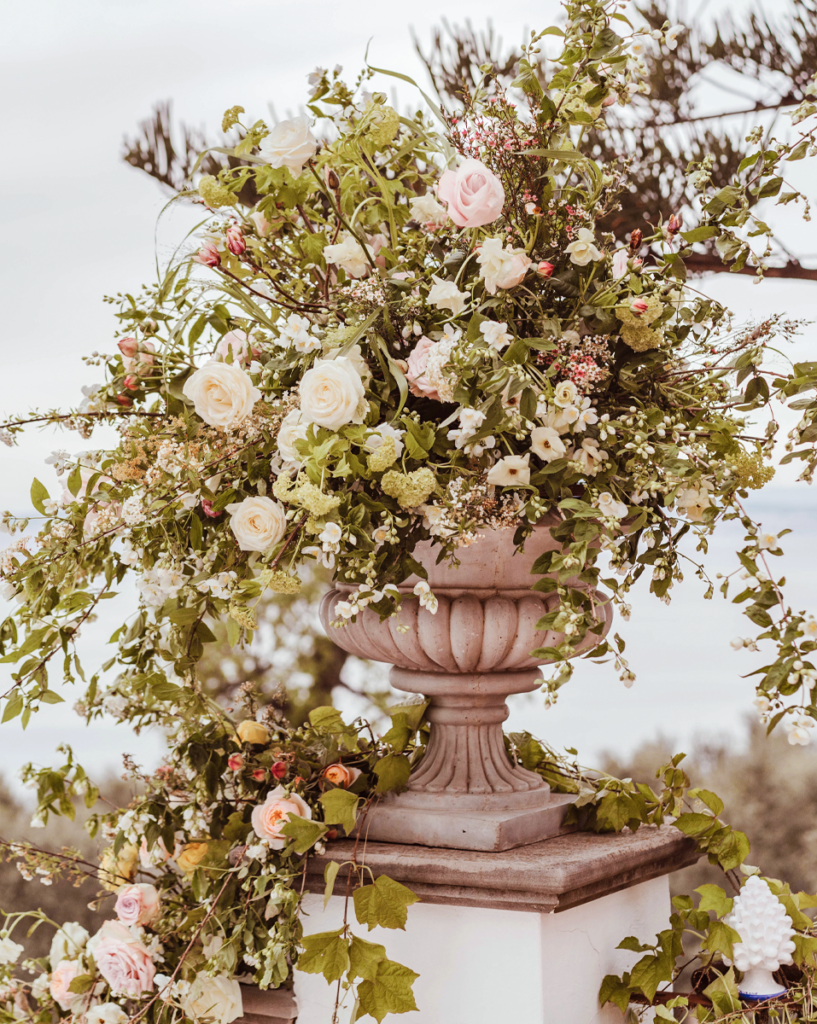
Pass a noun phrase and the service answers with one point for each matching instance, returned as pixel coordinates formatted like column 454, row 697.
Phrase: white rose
column 258, row 523
column 105, row 1013
column 292, row 429
column 9, row 951
column 332, row 393
column 446, row 295
column 428, row 211
column 350, row 255
column 565, row 394
column 218, row 998
column 69, row 940
column 610, row 507
column 501, row 268
column 546, row 443
column 221, row 393
column 289, row 144
column 511, row 471
column 583, row 250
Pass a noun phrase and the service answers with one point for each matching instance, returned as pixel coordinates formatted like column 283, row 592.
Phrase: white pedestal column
column 487, row 966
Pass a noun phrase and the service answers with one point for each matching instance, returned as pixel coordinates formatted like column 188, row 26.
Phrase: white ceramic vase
column 466, row 659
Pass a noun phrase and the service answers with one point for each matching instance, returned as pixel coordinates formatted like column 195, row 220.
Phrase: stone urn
column 466, row 659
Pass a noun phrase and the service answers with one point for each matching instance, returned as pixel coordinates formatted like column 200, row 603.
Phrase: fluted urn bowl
column 466, row 659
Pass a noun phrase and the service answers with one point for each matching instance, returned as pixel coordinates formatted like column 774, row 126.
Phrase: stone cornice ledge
column 545, row 877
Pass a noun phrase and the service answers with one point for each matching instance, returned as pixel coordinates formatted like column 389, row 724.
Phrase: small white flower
column 511, row 471
column 610, row 507
column 350, row 255
column 330, row 534
column 798, row 729
column 546, row 443
column 427, row 598
column 446, row 295
column 344, row 609
column 10, row 952
column 471, row 420
column 640, row 46
column 810, row 627
column 380, row 535
column 672, row 34
column 496, row 335
column 763, row 704
column 426, row 210
column 768, row 542
column 583, row 250
column 737, row 643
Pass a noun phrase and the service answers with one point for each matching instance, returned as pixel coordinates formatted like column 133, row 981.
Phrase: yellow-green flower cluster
column 383, row 457
column 636, row 331
column 304, row 493
column 410, row 489
column 214, row 193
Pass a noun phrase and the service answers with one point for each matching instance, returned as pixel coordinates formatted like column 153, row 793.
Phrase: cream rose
column 332, row 394
column 221, row 393
column 511, row 471
column 426, row 210
column 350, row 255
column 253, row 732
column 501, row 268
column 292, row 429
column 68, row 941
column 270, row 817
column 290, row 144
column 258, row 523
column 565, row 394
column 217, row 998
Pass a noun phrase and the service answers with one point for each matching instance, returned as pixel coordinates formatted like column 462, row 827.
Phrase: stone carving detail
column 766, row 932
column 466, row 659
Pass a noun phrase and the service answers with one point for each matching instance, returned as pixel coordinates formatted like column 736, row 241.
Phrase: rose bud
column 674, row 224
column 259, row 774
column 207, row 509
column 636, row 238
column 235, row 241
column 637, row 262
column 331, row 834
column 279, row 770
column 208, row 255
column 639, row 306
column 340, row 775
column 128, row 347
column 124, row 400
column 545, row 269
column 332, row 180
column 235, row 762
column 131, row 382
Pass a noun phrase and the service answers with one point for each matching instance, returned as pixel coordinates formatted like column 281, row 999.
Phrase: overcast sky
column 80, row 224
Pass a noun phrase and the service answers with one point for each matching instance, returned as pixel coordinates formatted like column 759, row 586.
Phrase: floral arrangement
column 418, row 331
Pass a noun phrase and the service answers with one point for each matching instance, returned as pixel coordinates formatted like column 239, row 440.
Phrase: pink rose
column 137, row 904
column 123, row 961
column 620, row 261
column 415, row 375
column 128, row 347
column 545, row 269
column 61, row 977
column 639, row 306
column 235, row 762
column 270, row 817
column 236, row 342
column 474, row 194
column 208, row 255
column 141, row 358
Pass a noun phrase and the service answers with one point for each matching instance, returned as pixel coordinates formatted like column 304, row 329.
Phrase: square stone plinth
column 273, row 1006
column 553, row 875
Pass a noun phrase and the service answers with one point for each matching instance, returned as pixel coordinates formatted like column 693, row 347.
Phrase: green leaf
column 694, row 824
column 236, row 829
column 330, row 873
column 364, row 958
column 719, row 938
column 325, row 953
column 81, row 984
column 385, row 903
column 303, row 833
column 49, row 697
column 74, row 481
column 390, row 992
column 326, row 719
column 14, row 705
column 340, row 808
column 714, row 898
column 712, row 800
column 724, row 993
column 613, row 990
column 39, row 495
column 392, row 773
column 649, row 972
column 700, row 234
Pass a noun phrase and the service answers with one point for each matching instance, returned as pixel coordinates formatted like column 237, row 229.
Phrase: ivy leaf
column 303, row 833
column 694, row 824
column 712, row 800
column 614, row 990
column 714, row 898
column 81, row 984
column 390, row 992
column 364, row 958
column 326, row 719
column 325, row 953
column 398, row 736
column 330, row 873
column 719, row 938
column 650, row 971
column 392, row 773
column 385, row 903
column 805, row 949
column 724, row 992
column 631, row 942
column 340, row 808
column 236, row 829
column 39, row 495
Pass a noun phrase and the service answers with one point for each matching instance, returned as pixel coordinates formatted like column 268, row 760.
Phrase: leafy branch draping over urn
column 417, row 336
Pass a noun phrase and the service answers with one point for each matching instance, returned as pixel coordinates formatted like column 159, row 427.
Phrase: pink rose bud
column 608, row 101
column 235, row 762
column 279, row 770
column 124, row 400
column 131, row 382
column 259, row 774
column 208, row 255
column 674, row 224
column 637, row 261
column 639, row 306
column 235, row 241
column 128, row 347
column 545, row 269
column 207, row 509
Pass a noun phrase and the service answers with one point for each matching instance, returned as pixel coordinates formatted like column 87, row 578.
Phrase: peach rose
column 474, row 194
column 61, row 977
column 270, row 817
column 137, row 904
column 252, row 732
column 123, row 961
column 415, row 375
column 191, row 856
column 340, row 775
